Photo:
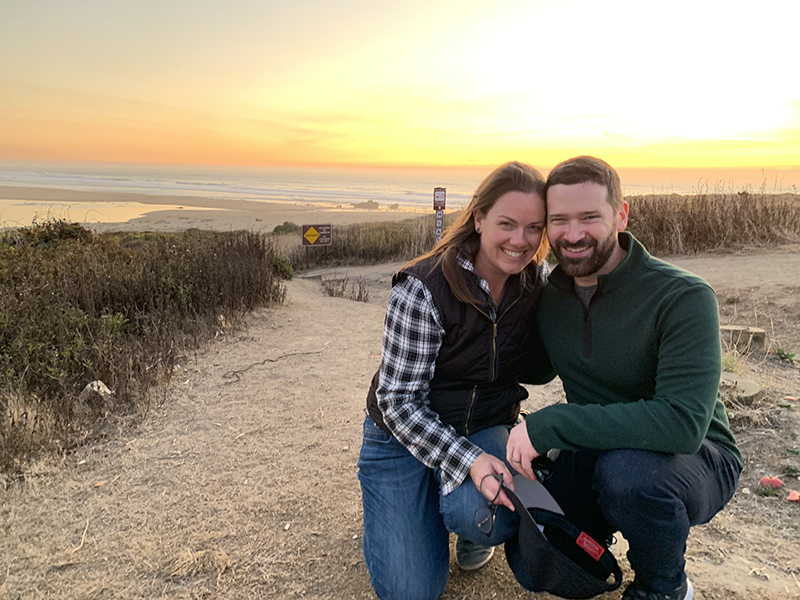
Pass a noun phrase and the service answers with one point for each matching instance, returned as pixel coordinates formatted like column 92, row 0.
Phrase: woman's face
column 510, row 234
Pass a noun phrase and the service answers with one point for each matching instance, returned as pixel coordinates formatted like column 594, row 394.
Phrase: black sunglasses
column 485, row 515
column 542, row 467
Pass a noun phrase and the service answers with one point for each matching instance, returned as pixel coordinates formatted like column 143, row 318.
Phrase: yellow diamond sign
column 318, row 234
column 312, row 235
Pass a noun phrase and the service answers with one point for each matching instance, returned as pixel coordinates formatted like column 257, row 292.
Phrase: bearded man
column 646, row 448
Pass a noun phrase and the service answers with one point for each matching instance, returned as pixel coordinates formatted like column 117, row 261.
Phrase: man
column 646, row 448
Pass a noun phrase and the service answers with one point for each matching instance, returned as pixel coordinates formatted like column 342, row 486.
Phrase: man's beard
column 587, row 265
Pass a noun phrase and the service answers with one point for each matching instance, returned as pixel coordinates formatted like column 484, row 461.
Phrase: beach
column 126, row 211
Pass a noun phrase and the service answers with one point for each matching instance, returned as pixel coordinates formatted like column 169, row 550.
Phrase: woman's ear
column 477, row 216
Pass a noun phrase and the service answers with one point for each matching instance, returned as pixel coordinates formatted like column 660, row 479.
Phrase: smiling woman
column 447, row 391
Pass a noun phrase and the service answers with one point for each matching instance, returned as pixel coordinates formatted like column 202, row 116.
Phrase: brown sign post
column 439, row 195
column 317, row 235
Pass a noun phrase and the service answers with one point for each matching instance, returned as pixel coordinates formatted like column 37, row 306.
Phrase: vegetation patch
column 675, row 224
column 342, row 288
column 666, row 225
column 76, row 307
column 371, row 243
column 286, row 228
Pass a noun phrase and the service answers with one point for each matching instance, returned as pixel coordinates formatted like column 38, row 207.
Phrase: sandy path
column 244, row 467
column 245, row 486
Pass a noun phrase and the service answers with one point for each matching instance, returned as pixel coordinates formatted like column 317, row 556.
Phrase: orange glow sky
column 675, row 84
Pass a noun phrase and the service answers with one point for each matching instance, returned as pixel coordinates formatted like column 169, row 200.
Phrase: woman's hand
column 520, row 451
column 480, row 473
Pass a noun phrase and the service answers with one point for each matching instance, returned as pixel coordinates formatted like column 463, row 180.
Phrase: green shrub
column 284, row 266
column 76, row 307
column 287, row 228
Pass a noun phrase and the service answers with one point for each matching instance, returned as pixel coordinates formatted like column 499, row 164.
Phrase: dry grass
column 190, row 564
column 674, row 224
column 745, row 416
column 665, row 224
column 343, row 288
column 371, row 243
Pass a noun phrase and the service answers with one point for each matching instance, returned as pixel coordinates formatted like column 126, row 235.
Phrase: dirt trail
column 243, row 484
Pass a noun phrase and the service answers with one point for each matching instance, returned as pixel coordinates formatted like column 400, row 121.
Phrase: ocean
column 410, row 188
column 406, row 188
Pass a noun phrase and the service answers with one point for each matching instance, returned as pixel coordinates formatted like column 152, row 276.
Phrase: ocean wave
column 308, row 186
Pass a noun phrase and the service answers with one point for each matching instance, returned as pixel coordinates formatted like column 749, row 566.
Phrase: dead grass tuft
column 744, row 417
column 202, row 562
column 26, row 425
column 342, row 288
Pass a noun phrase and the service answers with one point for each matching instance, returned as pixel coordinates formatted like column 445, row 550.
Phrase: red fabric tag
column 591, row 547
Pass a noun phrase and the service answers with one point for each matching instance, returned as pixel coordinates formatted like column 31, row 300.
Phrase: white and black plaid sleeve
column 412, row 336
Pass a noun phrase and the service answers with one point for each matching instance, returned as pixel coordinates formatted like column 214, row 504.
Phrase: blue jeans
column 650, row 497
column 407, row 521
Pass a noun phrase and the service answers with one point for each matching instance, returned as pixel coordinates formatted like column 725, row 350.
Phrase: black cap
column 550, row 554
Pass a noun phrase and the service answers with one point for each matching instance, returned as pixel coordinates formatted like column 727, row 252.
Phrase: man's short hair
column 587, row 168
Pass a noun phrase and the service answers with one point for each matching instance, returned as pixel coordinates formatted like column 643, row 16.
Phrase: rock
column 743, row 338
column 95, row 387
column 746, row 390
column 368, row 205
column 93, row 399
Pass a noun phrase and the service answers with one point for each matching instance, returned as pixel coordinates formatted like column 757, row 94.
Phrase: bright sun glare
column 441, row 83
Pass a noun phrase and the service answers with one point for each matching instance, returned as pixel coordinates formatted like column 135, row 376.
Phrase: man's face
column 582, row 227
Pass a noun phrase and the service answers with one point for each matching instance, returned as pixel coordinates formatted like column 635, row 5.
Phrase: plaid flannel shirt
column 412, row 335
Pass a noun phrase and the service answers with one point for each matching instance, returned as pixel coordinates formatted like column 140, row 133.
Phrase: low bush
column 287, row 228
column 77, row 307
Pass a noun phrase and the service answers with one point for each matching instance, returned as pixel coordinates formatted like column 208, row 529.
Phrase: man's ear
column 622, row 217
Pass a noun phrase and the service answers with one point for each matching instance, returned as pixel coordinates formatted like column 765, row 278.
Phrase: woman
column 447, row 392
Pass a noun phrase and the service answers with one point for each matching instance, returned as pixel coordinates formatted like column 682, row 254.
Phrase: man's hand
column 480, row 472
column 520, row 451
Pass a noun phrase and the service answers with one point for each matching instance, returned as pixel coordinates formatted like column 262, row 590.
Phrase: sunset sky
column 415, row 83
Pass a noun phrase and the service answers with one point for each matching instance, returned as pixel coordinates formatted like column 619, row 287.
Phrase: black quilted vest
column 476, row 379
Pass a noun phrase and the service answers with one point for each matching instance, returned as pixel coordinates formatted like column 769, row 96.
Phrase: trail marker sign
column 439, row 195
column 317, row 235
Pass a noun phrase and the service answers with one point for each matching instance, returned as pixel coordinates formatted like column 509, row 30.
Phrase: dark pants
column 650, row 497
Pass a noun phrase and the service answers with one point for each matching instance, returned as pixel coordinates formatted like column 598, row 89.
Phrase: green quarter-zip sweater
column 641, row 365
